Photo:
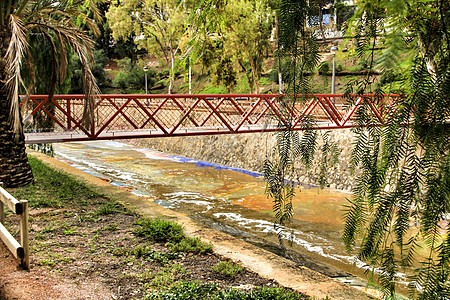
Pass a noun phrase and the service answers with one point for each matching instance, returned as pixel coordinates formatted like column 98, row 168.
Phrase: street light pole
column 146, row 89
column 145, row 71
column 190, row 77
column 333, row 49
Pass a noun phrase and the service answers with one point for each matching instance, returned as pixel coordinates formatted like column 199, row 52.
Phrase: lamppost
column 146, row 90
column 333, row 50
column 145, row 71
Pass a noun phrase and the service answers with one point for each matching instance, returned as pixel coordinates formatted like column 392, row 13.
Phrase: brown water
column 226, row 199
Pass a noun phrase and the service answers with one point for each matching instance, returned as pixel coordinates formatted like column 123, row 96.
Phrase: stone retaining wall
column 248, row 151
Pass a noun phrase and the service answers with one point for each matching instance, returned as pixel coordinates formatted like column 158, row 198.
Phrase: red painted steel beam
column 212, row 111
column 185, row 115
column 247, row 115
column 69, row 117
column 218, row 114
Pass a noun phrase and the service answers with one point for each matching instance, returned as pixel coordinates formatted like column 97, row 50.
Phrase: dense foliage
column 131, row 77
column 399, row 213
column 158, row 27
column 232, row 35
column 397, row 220
column 298, row 53
column 98, row 70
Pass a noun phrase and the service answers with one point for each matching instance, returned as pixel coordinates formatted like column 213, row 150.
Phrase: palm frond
column 16, row 49
column 83, row 47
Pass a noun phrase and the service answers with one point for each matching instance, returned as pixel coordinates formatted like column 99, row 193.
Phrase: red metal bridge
column 147, row 116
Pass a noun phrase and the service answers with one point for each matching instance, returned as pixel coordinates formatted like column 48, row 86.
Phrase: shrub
column 131, row 77
column 146, row 252
column 324, row 68
column 168, row 276
column 100, row 58
column 109, row 208
column 191, row 245
column 276, row 293
column 159, row 230
column 227, row 269
column 186, row 291
column 264, row 81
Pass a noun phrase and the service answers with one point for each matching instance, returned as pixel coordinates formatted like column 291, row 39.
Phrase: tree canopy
column 179, row 32
column 156, row 26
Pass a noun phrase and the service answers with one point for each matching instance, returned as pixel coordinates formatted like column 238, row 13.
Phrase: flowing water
column 224, row 198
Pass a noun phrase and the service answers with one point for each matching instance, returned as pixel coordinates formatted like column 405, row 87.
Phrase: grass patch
column 111, row 227
column 191, row 245
column 69, row 232
column 214, row 90
column 53, row 259
column 53, row 188
column 227, row 269
column 168, row 231
column 168, row 276
column 109, row 209
column 146, row 252
column 201, row 291
column 83, row 241
column 159, row 230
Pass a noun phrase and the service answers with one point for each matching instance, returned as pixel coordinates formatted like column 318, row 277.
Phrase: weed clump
column 159, row 230
column 145, row 251
column 227, row 269
column 168, row 276
column 109, row 208
column 191, row 245
column 195, row 290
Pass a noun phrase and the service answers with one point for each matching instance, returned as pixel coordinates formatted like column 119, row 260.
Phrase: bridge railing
column 133, row 116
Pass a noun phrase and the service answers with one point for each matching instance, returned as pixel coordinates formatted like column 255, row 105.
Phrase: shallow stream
column 227, row 199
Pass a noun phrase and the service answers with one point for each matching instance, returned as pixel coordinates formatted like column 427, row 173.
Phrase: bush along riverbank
column 84, row 244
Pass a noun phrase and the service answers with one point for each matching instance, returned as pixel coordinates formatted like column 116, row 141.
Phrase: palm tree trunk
column 14, row 167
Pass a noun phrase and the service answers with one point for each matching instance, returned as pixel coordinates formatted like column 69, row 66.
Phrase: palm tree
column 59, row 23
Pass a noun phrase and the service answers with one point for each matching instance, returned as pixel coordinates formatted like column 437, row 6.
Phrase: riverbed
column 228, row 199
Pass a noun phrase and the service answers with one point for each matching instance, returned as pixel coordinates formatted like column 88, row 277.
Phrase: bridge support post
column 69, row 112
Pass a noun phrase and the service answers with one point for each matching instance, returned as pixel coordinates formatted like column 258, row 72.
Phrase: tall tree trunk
column 321, row 24
column 14, row 167
column 172, row 74
column 254, row 70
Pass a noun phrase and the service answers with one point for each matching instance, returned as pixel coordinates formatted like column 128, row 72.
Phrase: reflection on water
column 229, row 196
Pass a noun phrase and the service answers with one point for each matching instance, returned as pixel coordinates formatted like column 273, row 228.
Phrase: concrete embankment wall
column 248, row 151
